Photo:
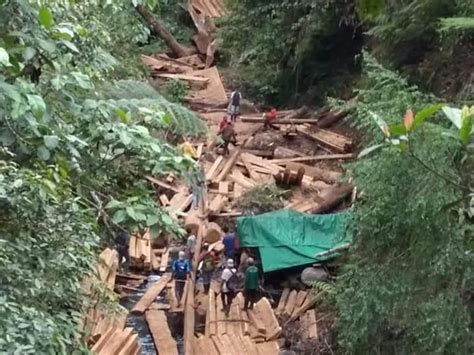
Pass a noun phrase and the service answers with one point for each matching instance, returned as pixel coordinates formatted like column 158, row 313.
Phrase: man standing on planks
column 181, row 270
column 251, row 284
column 208, row 259
column 123, row 240
column 228, row 136
column 229, row 285
column 234, row 104
column 229, row 243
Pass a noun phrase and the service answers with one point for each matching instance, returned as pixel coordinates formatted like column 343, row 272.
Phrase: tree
column 79, row 130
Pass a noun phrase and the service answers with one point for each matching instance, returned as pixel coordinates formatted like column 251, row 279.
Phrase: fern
column 134, row 96
column 452, row 24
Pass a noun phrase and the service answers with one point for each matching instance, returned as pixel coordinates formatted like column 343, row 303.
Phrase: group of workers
column 239, row 271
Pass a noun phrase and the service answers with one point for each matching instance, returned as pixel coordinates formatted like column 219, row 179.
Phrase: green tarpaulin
column 288, row 238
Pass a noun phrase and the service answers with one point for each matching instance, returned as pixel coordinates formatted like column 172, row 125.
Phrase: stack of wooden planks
column 242, row 332
column 104, row 333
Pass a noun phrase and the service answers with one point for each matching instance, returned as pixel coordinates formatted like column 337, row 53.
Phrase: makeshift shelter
column 287, row 238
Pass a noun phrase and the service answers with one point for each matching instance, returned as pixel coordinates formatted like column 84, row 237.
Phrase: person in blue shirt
column 181, row 270
column 229, row 243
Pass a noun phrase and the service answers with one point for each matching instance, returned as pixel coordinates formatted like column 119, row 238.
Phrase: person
column 251, row 284
column 188, row 149
column 208, row 259
column 181, row 270
column 198, row 185
column 269, row 117
column 123, row 240
column 229, row 274
column 223, row 124
column 190, row 245
column 286, row 350
column 234, row 105
column 229, row 243
column 228, row 136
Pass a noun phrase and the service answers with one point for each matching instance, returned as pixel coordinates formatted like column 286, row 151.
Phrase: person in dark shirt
column 228, row 136
column 122, row 240
column 181, row 270
column 229, row 243
column 234, row 105
column 251, row 284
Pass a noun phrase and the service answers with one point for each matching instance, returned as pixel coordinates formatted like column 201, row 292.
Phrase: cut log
column 158, row 325
column 228, row 165
column 282, row 121
column 214, row 233
column 332, row 198
column 301, row 112
column 282, row 302
column 311, row 324
column 211, row 174
column 290, row 303
column 327, row 176
column 116, row 342
column 328, row 139
column 150, row 295
column 157, row 28
column 312, row 158
column 331, row 118
column 162, row 184
column 285, row 153
column 259, row 153
column 192, row 222
column 196, row 82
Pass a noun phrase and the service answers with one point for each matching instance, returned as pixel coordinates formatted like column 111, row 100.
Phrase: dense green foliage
column 79, row 129
column 279, row 50
column 405, row 287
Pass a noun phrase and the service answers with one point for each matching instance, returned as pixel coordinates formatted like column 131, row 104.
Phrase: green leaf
column 45, row 17
column 454, row 115
column 125, row 138
column 82, row 80
column 131, row 213
column 426, row 113
column 48, row 46
column 119, row 216
column 466, row 129
column 122, row 115
column 114, row 204
column 51, row 142
column 369, row 150
column 397, row 129
column 4, row 57
column 152, row 219
column 43, row 153
column 71, row 46
column 37, row 105
column 140, row 216
column 10, row 91
column 167, row 119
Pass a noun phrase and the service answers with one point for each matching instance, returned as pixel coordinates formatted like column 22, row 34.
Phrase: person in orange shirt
column 269, row 117
column 223, row 124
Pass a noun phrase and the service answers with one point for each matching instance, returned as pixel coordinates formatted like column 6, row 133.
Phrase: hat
column 230, row 263
column 250, row 261
column 181, row 255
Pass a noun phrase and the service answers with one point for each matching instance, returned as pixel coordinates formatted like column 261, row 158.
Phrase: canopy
column 288, row 238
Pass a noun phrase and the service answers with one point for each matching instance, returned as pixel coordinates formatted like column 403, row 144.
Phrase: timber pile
column 106, row 334
column 243, row 332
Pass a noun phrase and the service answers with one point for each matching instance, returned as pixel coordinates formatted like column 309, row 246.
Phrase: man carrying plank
column 228, row 136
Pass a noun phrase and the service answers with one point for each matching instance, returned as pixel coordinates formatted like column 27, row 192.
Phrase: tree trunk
column 178, row 49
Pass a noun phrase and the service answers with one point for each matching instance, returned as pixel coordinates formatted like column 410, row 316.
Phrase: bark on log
column 330, row 118
column 178, row 49
column 332, row 198
column 213, row 233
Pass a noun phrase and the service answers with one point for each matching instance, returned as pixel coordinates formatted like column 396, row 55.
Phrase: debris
column 284, row 161
column 196, row 82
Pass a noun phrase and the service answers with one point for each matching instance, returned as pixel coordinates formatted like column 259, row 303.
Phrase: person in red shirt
column 269, row 117
column 223, row 124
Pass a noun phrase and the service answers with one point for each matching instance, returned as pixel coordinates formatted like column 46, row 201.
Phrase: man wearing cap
column 251, row 284
column 181, row 270
column 229, row 274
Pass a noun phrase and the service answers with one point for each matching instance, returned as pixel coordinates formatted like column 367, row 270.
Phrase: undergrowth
column 261, row 199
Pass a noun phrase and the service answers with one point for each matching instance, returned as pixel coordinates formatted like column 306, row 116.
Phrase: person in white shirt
column 233, row 109
column 228, row 289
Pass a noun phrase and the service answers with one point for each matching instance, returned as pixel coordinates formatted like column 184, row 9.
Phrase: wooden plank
column 312, row 158
column 327, row 176
column 208, row 347
column 221, row 324
column 248, row 165
column 224, row 187
column 164, row 260
column 256, row 322
column 104, row 339
column 219, row 345
column 268, row 348
column 300, row 298
column 112, row 273
column 162, row 184
column 155, row 261
column 328, row 139
column 130, row 345
column 199, row 150
column 116, row 342
column 211, row 319
column 164, row 200
column 266, row 314
column 308, row 303
column 150, row 295
column 311, row 324
column 158, row 325
column 282, row 302
column 290, row 303
column 214, row 170
column 228, row 165
column 217, row 204
column 282, row 121
column 190, row 78
column 267, row 164
column 240, row 179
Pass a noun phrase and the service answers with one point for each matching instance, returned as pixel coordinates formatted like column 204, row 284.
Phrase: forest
column 81, row 127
